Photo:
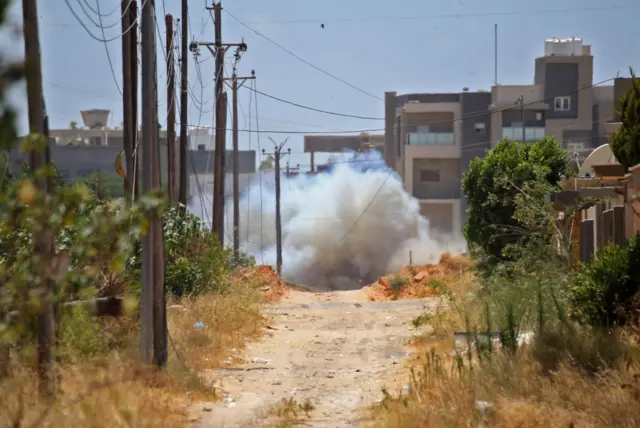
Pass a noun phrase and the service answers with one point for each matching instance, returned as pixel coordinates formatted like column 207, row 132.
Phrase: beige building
column 430, row 139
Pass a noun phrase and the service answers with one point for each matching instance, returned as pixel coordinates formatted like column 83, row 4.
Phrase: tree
column 500, row 188
column 266, row 164
column 625, row 142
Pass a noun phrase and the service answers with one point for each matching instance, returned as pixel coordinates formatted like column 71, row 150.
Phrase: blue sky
column 406, row 46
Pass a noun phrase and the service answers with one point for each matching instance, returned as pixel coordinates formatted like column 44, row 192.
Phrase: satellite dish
column 601, row 155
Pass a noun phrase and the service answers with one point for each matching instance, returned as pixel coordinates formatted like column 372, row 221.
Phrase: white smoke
column 341, row 229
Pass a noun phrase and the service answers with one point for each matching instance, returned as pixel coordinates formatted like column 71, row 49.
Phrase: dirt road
column 334, row 350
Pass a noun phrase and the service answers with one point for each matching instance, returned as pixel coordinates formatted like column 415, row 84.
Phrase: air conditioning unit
column 575, row 146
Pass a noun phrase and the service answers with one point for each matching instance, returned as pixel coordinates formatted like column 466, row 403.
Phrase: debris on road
column 265, row 279
column 419, row 281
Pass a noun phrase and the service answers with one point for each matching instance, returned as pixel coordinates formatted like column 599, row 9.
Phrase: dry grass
column 99, row 383
column 563, row 379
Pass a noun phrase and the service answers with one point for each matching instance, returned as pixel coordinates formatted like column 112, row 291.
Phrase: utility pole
column 128, row 131
column 152, row 308
column 45, row 322
column 236, row 167
column 134, row 161
column 521, row 102
column 184, row 21
column 277, row 156
column 218, row 48
column 171, row 112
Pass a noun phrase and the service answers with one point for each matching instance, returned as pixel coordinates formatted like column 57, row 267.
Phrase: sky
column 405, row 46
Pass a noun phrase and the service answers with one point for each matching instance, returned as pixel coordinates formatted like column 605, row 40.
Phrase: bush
column 195, row 262
column 602, row 293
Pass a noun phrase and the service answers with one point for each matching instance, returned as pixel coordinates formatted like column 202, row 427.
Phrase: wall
column 473, row 145
column 447, row 185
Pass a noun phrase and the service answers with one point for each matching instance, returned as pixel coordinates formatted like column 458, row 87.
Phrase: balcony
column 530, row 133
column 430, row 139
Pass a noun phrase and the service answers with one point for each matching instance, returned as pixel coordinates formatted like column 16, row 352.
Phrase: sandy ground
column 335, row 350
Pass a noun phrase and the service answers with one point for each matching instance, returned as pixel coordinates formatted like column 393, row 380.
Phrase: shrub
column 602, row 292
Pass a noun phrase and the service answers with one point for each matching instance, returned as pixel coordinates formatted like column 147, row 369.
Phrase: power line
column 455, row 119
column 106, row 15
column 333, row 76
column 444, row 16
column 103, row 39
column 333, row 113
column 106, row 47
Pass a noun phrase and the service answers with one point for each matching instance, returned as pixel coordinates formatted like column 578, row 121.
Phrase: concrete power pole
column 277, row 156
column 152, row 307
column 171, row 112
column 45, row 322
column 221, row 114
column 236, row 167
column 184, row 22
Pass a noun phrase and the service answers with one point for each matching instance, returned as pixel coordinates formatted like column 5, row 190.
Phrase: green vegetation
column 625, row 142
column 504, row 191
column 549, row 342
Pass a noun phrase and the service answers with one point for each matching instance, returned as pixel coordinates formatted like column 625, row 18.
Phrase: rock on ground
column 334, row 350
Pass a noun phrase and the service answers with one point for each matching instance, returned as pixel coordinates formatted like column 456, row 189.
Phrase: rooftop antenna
column 495, row 54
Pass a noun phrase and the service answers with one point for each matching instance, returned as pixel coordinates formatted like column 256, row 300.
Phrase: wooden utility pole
column 277, row 156
column 218, row 48
column 45, row 322
column 225, row 103
column 152, row 308
column 171, row 112
column 221, row 112
column 128, row 130
column 236, row 154
column 135, row 153
column 184, row 22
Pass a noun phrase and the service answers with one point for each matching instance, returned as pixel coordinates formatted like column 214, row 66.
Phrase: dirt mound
column 416, row 282
column 266, row 279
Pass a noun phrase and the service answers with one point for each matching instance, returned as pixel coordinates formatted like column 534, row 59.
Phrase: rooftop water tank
column 96, row 118
column 563, row 47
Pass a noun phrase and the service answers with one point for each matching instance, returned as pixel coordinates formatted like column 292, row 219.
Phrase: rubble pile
column 419, row 281
column 265, row 278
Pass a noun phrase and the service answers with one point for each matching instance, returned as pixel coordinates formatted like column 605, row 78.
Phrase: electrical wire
column 88, row 15
column 387, row 19
column 88, row 31
column 106, row 15
column 478, row 113
column 299, row 58
column 106, row 48
column 333, row 113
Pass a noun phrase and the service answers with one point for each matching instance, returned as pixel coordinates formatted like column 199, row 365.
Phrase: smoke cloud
column 341, row 229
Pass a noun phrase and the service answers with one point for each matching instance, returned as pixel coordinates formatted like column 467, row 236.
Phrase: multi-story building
column 430, row 139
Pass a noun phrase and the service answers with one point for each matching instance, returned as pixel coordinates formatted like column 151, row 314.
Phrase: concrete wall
column 78, row 161
column 473, row 144
column 436, row 178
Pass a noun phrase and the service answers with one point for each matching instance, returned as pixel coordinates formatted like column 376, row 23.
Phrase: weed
column 397, row 283
column 291, row 413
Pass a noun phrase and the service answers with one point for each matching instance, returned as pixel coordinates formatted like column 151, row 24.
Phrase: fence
column 614, row 220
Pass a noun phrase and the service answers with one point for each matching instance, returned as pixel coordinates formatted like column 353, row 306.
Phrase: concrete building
column 430, row 139
column 78, row 152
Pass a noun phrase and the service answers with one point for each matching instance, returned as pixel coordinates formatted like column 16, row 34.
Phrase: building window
column 562, row 104
column 480, row 128
column 429, row 175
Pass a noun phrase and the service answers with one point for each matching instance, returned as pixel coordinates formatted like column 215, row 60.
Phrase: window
column 480, row 128
column 201, row 147
column 562, row 104
column 429, row 175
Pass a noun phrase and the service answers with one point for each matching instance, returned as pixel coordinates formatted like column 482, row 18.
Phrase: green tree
column 266, row 164
column 625, row 142
column 506, row 197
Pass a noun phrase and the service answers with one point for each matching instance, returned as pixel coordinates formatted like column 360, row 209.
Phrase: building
column 78, row 152
column 431, row 138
